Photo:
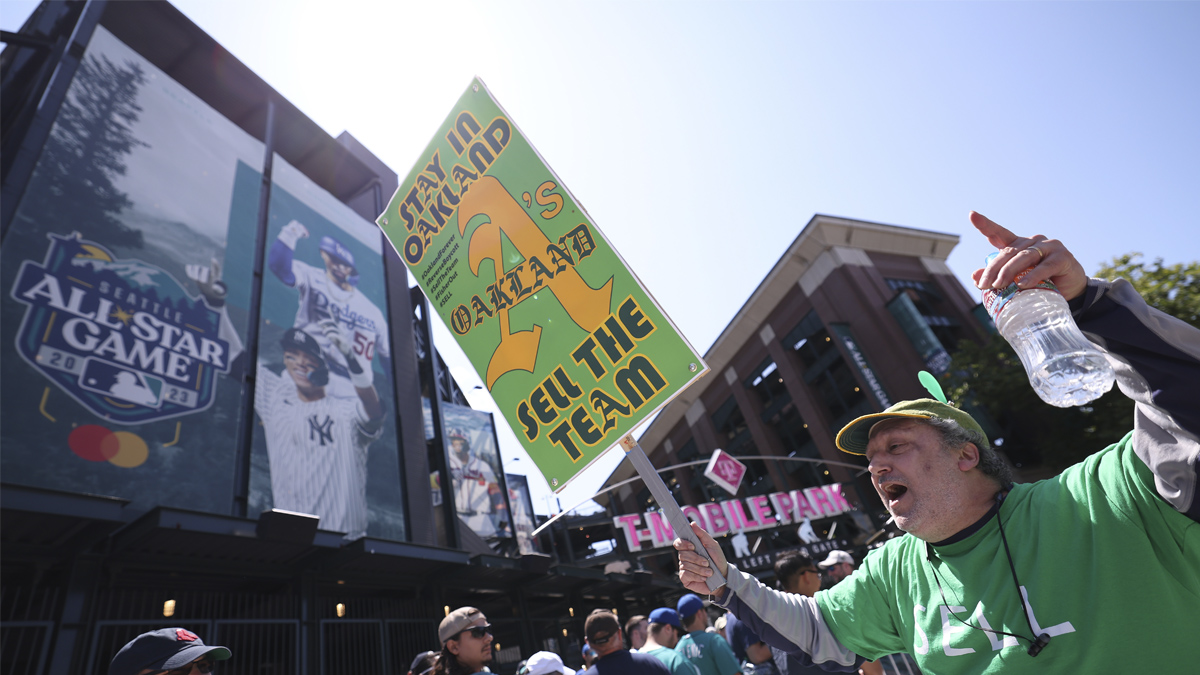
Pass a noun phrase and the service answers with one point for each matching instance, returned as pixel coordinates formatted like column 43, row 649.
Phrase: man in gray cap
column 466, row 638
column 838, row 565
column 177, row 650
column 989, row 574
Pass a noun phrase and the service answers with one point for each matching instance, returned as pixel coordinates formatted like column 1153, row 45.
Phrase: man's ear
column 968, row 457
column 452, row 645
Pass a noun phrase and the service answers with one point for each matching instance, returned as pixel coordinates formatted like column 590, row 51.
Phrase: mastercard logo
column 98, row 444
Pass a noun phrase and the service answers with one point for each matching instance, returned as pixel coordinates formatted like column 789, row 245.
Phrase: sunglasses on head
column 601, row 640
column 478, row 632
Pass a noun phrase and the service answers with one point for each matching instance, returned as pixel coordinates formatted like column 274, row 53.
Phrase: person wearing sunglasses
column 167, row 651
column 466, row 638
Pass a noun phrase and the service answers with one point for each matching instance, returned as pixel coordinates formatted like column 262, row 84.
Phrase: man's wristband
column 364, row 379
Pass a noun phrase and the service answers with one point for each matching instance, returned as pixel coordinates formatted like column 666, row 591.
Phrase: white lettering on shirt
column 921, row 647
column 997, row 644
column 948, row 630
column 1058, row 629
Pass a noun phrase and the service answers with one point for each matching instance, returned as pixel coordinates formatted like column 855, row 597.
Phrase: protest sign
column 566, row 339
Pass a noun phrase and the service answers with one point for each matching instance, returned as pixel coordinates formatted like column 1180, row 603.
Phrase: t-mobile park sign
column 651, row 529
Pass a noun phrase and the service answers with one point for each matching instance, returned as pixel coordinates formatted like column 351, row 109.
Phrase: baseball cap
column 423, row 663
column 600, row 626
column 163, row 649
column 689, row 605
column 836, row 557
column 335, row 248
column 666, row 615
column 457, row 621
column 854, row 436
column 294, row 338
column 544, row 663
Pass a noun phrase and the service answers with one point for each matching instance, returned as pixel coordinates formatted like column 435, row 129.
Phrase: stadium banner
column 571, row 346
column 521, row 501
column 326, row 444
column 473, row 458
column 126, row 274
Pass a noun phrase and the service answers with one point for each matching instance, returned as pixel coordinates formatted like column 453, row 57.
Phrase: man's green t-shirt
column 1109, row 570
column 710, row 653
column 674, row 661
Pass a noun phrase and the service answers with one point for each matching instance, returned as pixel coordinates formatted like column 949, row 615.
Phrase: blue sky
column 702, row 136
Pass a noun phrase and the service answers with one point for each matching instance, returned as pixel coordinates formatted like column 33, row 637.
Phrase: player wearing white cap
column 317, row 440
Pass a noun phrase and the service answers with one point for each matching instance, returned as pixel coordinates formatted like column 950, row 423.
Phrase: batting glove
column 360, row 377
column 292, row 233
column 208, row 280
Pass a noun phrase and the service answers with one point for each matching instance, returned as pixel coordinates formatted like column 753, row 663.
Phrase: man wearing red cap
column 994, row 577
column 177, row 650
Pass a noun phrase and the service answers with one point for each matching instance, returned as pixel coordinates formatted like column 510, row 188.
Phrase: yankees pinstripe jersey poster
column 324, row 444
column 571, row 346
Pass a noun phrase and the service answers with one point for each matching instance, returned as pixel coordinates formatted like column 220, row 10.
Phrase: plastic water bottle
column 1064, row 368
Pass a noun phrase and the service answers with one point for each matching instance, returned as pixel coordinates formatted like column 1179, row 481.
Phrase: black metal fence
column 268, row 634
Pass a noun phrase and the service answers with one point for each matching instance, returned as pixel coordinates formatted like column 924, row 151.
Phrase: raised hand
column 694, row 568
column 208, row 280
column 292, row 233
column 1049, row 259
column 336, row 336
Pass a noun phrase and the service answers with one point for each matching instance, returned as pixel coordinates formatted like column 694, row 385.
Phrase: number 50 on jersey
column 569, row 343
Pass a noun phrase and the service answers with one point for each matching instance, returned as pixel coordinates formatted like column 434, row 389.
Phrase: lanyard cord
column 1035, row 645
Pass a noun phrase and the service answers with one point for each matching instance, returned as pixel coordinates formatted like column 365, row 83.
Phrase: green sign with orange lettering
column 569, row 343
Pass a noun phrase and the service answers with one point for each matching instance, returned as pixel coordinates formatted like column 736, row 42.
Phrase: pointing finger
column 996, row 234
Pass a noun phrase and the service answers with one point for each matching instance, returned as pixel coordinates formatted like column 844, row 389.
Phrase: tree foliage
column 990, row 376
column 1174, row 289
column 73, row 188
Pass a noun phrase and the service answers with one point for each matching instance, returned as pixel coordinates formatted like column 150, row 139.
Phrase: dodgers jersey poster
column 324, row 445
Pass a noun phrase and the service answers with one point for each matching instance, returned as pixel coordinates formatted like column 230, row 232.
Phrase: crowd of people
column 692, row 638
column 942, row 592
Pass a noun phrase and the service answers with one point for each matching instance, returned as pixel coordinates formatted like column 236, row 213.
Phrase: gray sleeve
column 1157, row 361
column 789, row 622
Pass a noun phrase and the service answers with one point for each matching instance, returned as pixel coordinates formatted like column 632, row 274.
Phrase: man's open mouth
column 893, row 491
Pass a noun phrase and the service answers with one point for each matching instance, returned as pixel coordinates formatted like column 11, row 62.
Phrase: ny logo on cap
column 185, row 635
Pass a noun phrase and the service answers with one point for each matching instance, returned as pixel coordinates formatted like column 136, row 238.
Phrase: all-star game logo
column 121, row 337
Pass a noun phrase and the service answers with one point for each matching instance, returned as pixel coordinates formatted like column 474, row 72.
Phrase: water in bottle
column 1064, row 368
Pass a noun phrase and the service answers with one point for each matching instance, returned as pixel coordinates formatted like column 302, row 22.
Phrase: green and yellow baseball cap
column 854, row 436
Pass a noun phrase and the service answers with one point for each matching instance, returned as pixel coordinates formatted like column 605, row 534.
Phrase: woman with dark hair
column 466, row 643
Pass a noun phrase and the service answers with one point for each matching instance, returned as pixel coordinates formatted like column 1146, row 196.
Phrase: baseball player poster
column 476, row 475
column 572, row 348
column 521, row 501
column 126, row 287
column 325, row 444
